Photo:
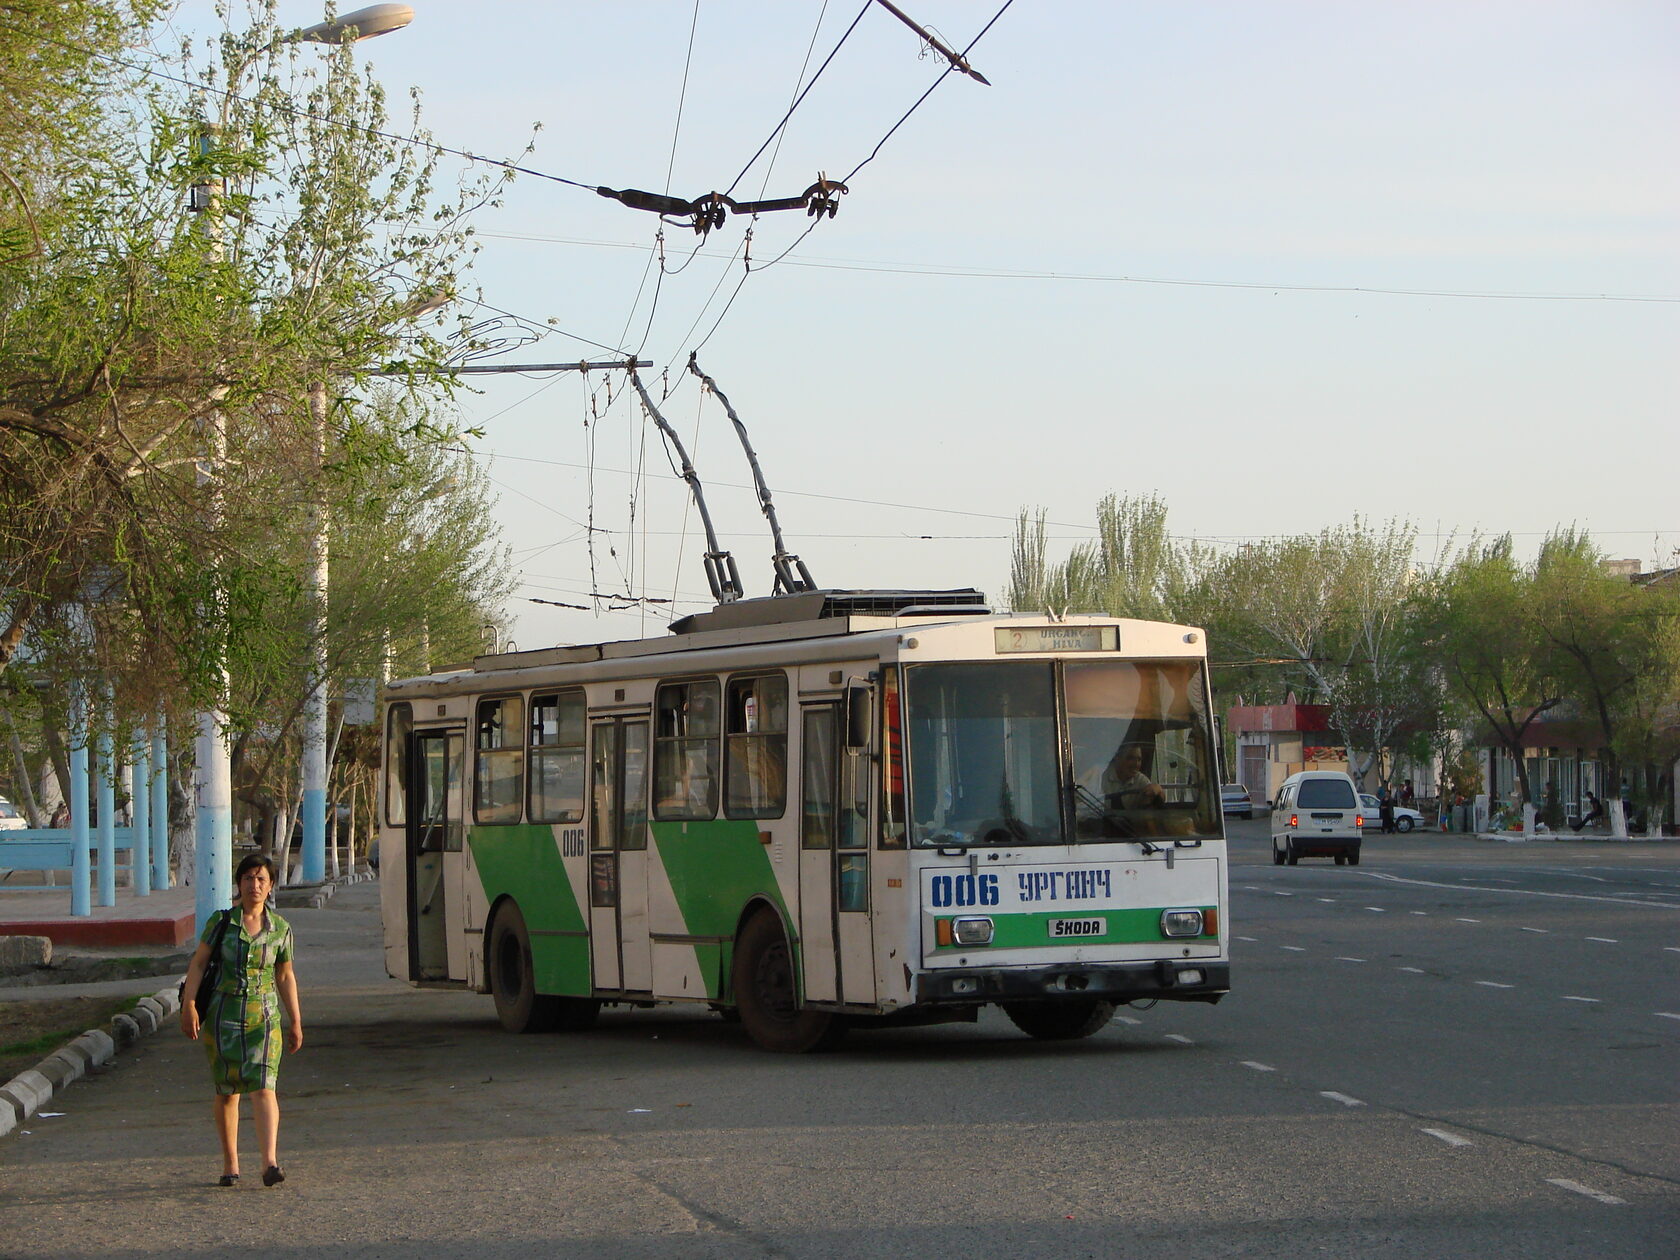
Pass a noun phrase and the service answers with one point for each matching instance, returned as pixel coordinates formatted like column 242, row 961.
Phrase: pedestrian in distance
column 1596, row 811
column 1385, row 810
column 241, row 1028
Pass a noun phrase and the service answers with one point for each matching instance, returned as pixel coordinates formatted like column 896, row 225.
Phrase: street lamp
column 213, row 786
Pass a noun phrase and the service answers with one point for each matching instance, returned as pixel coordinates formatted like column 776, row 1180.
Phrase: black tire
column 1353, row 858
column 1403, row 824
column 765, row 996
column 513, row 980
column 1341, row 859
column 1289, row 854
column 1060, row 1021
column 1277, row 856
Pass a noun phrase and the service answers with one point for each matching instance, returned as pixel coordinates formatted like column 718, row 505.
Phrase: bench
column 52, row 849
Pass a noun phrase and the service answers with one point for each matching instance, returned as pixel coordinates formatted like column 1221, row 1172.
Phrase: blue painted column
column 140, row 805
column 160, row 803
column 107, row 805
column 81, row 872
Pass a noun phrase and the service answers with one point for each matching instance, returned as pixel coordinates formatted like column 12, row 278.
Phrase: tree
column 1478, row 635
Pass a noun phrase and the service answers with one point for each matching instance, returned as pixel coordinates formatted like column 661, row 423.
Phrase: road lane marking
column 1181, row 1040
column 1278, row 892
column 1519, row 892
column 1570, row 997
column 1330, row 901
column 1377, row 909
column 1671, row 949
column 1541, row 931
column 1494, row 984
column 1604, row 940
column 1258, row 1067
column 1127, row 1019
column 1451, row 1139
column 1252, row 940
column 1467, row 920
column 1346, row 958
column 1422, row 913
column 1296, row 949
column 1346, row 1101
column 1563, row 1183
column 1667, row 1015
column 1416, row 971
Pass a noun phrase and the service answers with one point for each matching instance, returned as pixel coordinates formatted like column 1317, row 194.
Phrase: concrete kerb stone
column 28, row 1091
column 21, row 953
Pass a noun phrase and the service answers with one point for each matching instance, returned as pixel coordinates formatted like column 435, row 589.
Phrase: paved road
column 1453, row 1049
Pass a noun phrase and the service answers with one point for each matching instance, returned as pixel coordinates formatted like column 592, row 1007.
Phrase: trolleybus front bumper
column 1168, row 979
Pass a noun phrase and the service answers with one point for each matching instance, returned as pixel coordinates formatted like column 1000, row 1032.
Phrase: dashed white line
column 1127, row 1019
column 1416, row 971
column 1181, row 1040
column 1296, row 949
column 1258, row 1067
column 1278, row 892
column 1540, row 931
column 1604, row 940
column 1563, row 1183
column 1421, row 913
column 1671, row 949
column 1570, row 997
column 1451, row 1139
column 1494, row 984
column 1329, row 901
column 1377, row 909
column 1344, row 1099
column 1467, row 920
column 1667, row 1015
column 1346, row 958
column 1250, row 939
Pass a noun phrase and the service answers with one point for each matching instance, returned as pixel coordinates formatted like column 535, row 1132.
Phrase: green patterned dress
column 242, row 1027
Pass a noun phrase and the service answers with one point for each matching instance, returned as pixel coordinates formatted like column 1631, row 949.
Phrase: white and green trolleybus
column 812, row 811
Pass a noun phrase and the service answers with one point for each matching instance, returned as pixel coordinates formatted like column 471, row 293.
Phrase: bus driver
column 1125, row 785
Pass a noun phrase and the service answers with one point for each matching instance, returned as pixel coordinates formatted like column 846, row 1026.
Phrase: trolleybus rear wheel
column 1060, row 1021
column 765, row 995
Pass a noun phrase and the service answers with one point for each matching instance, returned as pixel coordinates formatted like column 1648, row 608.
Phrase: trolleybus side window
column 557, row 757
column 755, row 747
column 499, row 766
column 399, row 724
column 685, row 750
column 892, row 761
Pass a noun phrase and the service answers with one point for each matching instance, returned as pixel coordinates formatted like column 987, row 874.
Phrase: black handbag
column 212, row 970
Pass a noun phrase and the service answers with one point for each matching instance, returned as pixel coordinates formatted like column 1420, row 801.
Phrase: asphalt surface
column 1457, row 1048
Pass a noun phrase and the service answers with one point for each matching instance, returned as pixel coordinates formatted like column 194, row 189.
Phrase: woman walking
column 242, row 1022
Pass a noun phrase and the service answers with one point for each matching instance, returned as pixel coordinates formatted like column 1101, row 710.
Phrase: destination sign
column 1057, row 638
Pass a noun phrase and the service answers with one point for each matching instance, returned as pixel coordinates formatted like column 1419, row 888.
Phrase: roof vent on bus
column 774, row 610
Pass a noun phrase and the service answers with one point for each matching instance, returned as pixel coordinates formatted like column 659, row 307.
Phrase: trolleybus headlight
column 972, row 931
column 1181, row 923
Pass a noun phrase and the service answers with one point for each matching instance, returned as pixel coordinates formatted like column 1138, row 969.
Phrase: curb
column 30, row 1090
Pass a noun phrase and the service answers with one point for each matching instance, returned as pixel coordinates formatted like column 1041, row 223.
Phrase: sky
column 1280, row 264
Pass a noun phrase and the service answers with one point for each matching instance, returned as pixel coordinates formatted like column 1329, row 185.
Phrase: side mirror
column 859, row 715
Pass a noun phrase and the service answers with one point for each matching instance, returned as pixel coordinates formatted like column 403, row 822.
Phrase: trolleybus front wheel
column 513, row 983
column 1060, row 1021
column 765, row 995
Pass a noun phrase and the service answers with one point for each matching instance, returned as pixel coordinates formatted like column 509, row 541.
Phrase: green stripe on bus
column 523, row 862
column 714, row 869
column 1032, row 931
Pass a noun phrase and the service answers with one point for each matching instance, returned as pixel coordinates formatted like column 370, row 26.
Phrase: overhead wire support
column 791, row 573
column 957, row 60
column 710, row 210
column 721, row 574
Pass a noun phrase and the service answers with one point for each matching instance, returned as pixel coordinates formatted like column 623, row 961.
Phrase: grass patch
column 30, row 1031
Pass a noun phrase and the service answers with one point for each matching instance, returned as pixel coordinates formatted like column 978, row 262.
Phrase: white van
column 1316, row 814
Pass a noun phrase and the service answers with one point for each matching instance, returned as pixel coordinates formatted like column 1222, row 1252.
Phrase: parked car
column 1234, row 799
column 1404, row 819
column 10, row 819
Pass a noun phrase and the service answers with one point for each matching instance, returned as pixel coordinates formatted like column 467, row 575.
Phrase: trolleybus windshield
column 988, row 765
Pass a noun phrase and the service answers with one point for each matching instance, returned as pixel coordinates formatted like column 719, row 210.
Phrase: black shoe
column 229, row 1179
column 272, row 1176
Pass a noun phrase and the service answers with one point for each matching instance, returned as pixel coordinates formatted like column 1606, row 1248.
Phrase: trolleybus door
column 618, row 899
column 834, row 862
column 433, row 849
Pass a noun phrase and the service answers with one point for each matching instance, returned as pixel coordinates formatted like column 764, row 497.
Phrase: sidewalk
column 163, row 920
